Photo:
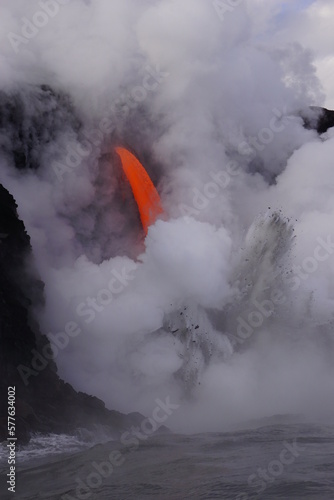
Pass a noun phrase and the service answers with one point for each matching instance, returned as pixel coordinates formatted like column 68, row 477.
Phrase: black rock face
column 326, row 121
column 320, row 119
column 29, row 120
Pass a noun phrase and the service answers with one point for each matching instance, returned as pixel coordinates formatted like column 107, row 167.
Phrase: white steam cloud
column 209, row 101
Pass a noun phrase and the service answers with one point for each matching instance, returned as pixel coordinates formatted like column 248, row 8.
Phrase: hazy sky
column 313, row 28
column 309, row 22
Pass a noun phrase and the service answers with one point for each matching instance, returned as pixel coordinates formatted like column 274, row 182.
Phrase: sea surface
column 268, row 460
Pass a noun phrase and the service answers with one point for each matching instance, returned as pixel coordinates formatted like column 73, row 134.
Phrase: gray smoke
column 209, row 101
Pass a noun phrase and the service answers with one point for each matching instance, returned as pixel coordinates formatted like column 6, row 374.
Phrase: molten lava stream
column 146, row 196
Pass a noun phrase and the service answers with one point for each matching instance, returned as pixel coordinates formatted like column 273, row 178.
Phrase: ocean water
column 268, row 460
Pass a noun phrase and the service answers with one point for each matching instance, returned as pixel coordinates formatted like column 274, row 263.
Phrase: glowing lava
column 146, row 196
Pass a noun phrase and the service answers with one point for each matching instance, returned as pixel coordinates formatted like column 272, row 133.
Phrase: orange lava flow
column 146, row 196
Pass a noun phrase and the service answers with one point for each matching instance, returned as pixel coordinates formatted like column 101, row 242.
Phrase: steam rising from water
column 211, row 111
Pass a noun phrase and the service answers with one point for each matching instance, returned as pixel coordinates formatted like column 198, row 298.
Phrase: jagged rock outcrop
column 319, row 119
column 31, row 119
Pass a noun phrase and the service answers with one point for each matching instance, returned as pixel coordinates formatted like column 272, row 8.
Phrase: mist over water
column 227, row 305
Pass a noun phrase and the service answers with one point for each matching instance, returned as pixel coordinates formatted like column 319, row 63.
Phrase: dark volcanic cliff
column 320, row 119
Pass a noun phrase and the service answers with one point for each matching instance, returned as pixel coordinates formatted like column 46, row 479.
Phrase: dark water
column 280, row 461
